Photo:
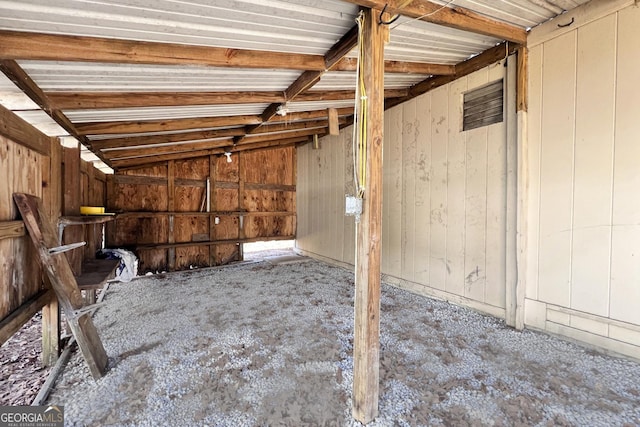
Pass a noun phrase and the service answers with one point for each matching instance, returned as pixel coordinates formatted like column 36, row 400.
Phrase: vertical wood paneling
column 533, row 192
column 595, row 97
column 476, row 205
column 409, row 130
column 496, row 202
column 439, row 140
column 7, row 212
column 456, row 190
column 625, row 268
column 431, row 176
column 422, row 196
column 556, row 174
column 392, row 199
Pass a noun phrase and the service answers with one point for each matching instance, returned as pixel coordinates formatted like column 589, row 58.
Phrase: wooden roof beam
column 22, row 80
column 94, row 100
column 454, row 17
column 140, row 161
column 310, row 77
column 110, row 128
column 50, row 47
column 486, row 58
column 350, row 64
column 134, row 141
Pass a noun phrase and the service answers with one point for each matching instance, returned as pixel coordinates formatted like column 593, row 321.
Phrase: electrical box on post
column 353, row 207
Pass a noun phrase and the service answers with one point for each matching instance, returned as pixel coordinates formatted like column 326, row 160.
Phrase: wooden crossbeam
column 110, row 128
column 350, row 64
column 146, row 160
column 453, row 17
column 92, row 100
column 50, row 47
column 18, row 130
column 166, row 138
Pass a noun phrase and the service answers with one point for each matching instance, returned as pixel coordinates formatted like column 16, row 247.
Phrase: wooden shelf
column 218, row 213
column 85, row 219
column 96, row 273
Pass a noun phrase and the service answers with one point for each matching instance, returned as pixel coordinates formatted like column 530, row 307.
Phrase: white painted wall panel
column 556, row 172
column 444, row 198
column 583, row 121
column 593, row 175
column 625, row 268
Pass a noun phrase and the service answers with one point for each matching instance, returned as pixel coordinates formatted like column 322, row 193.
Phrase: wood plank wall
column 163, row 214
column 20, row 275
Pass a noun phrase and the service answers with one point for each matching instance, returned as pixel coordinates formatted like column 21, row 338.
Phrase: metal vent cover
column 483, row 106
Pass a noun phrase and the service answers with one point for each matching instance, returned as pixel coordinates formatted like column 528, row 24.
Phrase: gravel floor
column 270, row 345
column 21, row 371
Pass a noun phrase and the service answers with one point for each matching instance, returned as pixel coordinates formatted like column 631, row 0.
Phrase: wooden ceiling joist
column 453, row 17
column 49, row 47
column 351, row 64
column 310, row 77
column 110, row 128
column 165, row 138
column 140, row 161
column 166, row 149
column 95, row 100
column 486, row 58
column 273, row 132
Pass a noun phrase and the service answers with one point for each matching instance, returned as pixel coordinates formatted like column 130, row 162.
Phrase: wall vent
column 483, row 106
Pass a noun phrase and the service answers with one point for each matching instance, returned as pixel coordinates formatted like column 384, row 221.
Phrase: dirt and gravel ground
column 268, row 344
column 21, row 371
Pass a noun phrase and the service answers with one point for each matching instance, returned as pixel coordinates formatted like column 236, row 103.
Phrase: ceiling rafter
column 50, row 47
column 310, row 77
column 140, row 161
column 453, row 17
column 99, row 100
column 21, row 79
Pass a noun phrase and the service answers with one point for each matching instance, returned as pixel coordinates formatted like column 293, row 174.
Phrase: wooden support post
column 241, row 180
column 50, row 330
column 71, row 205
column 212, row 197
column 171, row 207
column 52, row 198
column 334, row 124
column 366, row 346
column 522, row 182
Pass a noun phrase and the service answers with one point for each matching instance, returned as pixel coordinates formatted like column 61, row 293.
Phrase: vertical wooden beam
column 511, row 266
column 52, row 196
column 241, row 180
column 212, row 196
column 369, row 232
column 171, row 207
column 522, row 82
column 72, row 183
column 334, row 125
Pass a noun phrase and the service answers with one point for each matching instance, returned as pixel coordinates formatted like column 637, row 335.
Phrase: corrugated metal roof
column 418, row 41
column 300, row 26
column 344, row 80
column 309, row 27
column 83, row 76
column 163, row 113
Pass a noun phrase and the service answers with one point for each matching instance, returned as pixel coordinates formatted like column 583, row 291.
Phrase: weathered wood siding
column 20, row 274
column 444, row 199
column 583, row 274
column 163, row 207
